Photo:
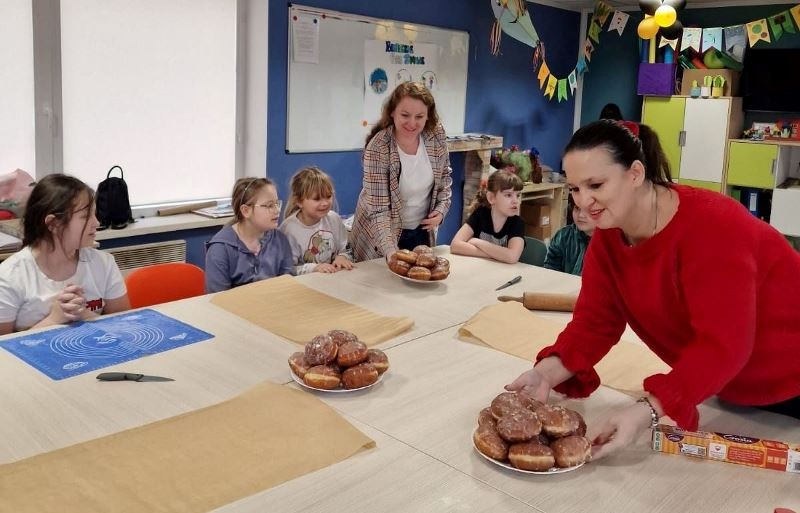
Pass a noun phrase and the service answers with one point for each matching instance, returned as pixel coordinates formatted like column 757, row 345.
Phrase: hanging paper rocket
column 573, row 82
column 781, row 23
column 544, row 72
column 562, row 90
column 618, row 22
column 551, row 86
column 735, row 42
column 712, row 38
column 691, row 38
column 513, row 18
column 757, row 31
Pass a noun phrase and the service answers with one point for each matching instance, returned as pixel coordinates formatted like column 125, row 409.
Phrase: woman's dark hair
column 625, row 147
column 55, row 194
column 244, row 190
column 611, row 111
column 414, row 90
column 499, row 181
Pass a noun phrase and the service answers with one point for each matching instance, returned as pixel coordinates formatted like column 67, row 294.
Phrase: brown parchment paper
column 299, row 313
column 191, row 463
column 524, row 334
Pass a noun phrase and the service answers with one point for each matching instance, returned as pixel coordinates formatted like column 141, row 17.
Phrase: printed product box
column 535, row 214
column 743, row 450
column 731, row 87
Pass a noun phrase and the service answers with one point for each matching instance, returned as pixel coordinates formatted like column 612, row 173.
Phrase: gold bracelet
column 653, row 413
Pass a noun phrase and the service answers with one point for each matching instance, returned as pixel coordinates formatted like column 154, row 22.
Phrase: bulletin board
column 326, row 99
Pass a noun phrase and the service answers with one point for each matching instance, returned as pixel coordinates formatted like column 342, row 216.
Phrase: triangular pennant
column 757, row 31
column 562, row 89
column 601, row 12
column 781, row 23
column 691, row 38
column 573, row 82
column 735, row 42
column 795, row 12
column 580, row 66
column 712, row 38
column 588, row 48
column 544, row 72
column 618, row 22
column 594, row 32
column 551, row 86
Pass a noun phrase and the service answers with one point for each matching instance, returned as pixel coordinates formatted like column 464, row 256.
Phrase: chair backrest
column 161, row 283
column 534, row 252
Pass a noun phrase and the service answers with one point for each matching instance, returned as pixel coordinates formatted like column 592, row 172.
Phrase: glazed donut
column 488, row 442
column 571, row 450
column 378, row 359
column 419, row 273
column 426, row 260
column 405, row 255
column 486, row 417
column 399, row 267
column 422, row 249
column 443, row 262
column 519, row 426
column 526, row 393
column 439, row 273
column 531, row 456
column 351, row 353
column 359, row 376
column 342, row 336
column 505, row 403
column 581, row 431
column 557, row 421
column 321, row 350
column 298, row 364
column 326, row 377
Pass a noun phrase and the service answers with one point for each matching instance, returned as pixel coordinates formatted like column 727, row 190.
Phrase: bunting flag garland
column 757, row 31
column 544, row 72
column 781, row 23
column 618, row 22
column 691, row 38
column 588, row 48
column 735, row 42
column 562, row 89
column 573, row 82
column 601, row 12
column 672, row 43
column 594, row 32
column 795, row 12
column 551, row 86
column 712, row 38
column 580, row 66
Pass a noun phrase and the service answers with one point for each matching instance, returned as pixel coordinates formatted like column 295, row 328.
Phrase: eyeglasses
column 273, row 205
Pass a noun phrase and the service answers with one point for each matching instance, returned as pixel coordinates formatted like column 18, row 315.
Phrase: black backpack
column 113, row 204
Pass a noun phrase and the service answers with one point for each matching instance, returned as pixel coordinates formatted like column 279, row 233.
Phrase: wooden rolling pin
column 543, row 301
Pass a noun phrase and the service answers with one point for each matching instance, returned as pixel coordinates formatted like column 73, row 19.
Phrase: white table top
column 421, row 415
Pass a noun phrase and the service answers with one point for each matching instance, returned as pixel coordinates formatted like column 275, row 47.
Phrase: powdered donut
column 351, row 353
column 342, row 336
column 531, row 456
column 326, row 377
column 557, row 421
column 321, row 350
column 298, row 364
column 518, row 426
column 571, row 450
column 378, row 359
column 489, row 442
column 359, row 376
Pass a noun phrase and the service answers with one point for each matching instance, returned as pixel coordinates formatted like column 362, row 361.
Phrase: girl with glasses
column 316, row 233
column 250, row 248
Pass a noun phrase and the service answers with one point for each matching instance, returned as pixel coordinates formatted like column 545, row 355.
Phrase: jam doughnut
column 405, row 255
column 527, row 394
column 298, row 364
column 321, row 350
column 326, row 377
column 488, row 442
column 519, row 426
column 399, row 267
column 439, row 272
column 426, row 260
column 342, row 336
column 531, row 456
column 378, row 359
column 571, row 450
column 486, row 417
column 359, row 376
column 423, row 249
column 505, row 403
column 419, row 273
column 351, row 353
column 557, row 421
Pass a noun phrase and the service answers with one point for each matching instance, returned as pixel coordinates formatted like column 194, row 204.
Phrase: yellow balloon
column 665, row 15
column 647, row 28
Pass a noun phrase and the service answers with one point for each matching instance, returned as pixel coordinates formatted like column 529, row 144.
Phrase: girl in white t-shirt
column 58, row 277
column 316, row 233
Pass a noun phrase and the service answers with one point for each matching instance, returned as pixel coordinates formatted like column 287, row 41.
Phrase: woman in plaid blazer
column 402, row 210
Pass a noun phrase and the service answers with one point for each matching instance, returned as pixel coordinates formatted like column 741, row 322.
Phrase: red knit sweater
column 714, row 294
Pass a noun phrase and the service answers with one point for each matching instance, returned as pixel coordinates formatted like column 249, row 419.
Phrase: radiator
column 141, row 255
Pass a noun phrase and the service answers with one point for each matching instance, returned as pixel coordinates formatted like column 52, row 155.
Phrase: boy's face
column 583, row 221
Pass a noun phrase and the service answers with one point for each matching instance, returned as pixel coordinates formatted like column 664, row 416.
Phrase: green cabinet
column 752, row 165
column 664, row 114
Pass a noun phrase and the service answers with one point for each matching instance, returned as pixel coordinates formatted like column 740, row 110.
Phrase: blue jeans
column 410, row 239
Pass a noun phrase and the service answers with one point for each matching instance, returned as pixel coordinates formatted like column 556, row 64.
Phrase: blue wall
column 503, row 96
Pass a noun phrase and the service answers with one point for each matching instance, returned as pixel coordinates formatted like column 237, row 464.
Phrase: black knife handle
column 119, row 376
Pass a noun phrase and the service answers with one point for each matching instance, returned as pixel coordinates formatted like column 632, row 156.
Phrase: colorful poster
column 389, row 63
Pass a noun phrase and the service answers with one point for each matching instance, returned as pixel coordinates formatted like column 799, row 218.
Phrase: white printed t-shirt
column 319, row 243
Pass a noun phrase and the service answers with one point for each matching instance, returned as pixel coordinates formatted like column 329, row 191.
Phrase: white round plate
column 554, row 470
column 297, row 379
column 412, row 280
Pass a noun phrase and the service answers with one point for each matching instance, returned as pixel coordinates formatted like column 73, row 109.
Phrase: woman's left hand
column 431, row 222
column 342, row 262
column 620, row 430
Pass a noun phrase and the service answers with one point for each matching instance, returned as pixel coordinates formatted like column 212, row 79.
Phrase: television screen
column 771, row 79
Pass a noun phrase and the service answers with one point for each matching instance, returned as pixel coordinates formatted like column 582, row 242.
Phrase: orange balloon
column 647, row 28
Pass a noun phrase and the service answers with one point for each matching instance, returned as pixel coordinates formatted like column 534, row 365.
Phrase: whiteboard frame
column 456, row 121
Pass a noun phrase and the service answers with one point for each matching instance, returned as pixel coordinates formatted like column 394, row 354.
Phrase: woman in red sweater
column 709, row 288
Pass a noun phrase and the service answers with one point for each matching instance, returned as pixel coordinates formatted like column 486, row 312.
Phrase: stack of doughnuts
column 420, row 264
column 529, row 435
column 337, row 359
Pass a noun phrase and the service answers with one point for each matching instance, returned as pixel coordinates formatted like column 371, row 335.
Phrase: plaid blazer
column 377, row 223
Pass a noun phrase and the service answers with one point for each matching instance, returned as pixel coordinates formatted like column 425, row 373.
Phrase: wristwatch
column 653, row 413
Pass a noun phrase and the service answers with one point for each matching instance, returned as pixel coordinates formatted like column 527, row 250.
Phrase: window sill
column 161, row 224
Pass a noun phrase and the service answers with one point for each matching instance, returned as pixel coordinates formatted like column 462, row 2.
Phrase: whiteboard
column 325, row 108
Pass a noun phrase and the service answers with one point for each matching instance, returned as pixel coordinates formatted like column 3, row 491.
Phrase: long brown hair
column 499, row 181
column 306, row 183
column 414, row 90
column 55, row 194
column 244, row 190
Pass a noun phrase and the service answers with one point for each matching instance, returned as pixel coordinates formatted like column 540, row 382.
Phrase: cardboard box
column 731, row 87
column 535, row 214
column 739, row 449
column 656, row 79
column 538, row 232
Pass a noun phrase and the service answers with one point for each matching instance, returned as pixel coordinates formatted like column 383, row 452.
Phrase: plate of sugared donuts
column 420, row 265
column 519, row 433
column 337, row 361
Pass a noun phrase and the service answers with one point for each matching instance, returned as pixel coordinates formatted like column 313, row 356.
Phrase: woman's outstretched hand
column 535, row 384
column 620, row 430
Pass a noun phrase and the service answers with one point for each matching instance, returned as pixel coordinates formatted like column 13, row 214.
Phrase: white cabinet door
column 705, row 124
